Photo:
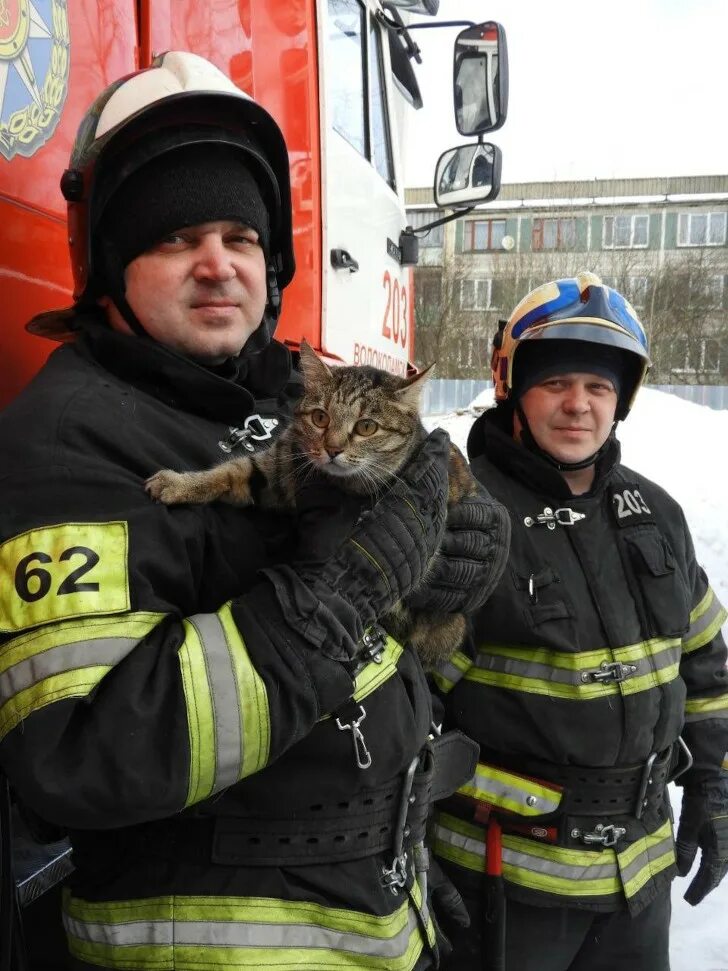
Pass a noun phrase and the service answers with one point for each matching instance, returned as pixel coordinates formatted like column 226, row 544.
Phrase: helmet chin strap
column 530, row 443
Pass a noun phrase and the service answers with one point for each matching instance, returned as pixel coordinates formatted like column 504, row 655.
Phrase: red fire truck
column 338, row 77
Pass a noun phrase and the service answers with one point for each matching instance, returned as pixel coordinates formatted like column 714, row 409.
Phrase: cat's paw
column 167, row 486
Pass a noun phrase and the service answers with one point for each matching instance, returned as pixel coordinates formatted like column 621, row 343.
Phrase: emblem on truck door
column 34, row 63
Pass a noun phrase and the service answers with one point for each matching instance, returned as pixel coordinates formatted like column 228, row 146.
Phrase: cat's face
column 357, row 423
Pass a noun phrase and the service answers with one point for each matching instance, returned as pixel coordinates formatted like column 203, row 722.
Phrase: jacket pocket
column 547, row 611
column 661, row 586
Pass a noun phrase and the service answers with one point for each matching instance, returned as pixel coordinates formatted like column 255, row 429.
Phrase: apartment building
column 662, row 241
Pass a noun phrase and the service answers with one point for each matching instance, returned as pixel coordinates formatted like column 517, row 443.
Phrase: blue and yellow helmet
column 582, row 309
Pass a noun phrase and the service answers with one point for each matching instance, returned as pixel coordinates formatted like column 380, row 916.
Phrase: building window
column 693, row 357
column 625, row 232
column 638, row 289
column 549, row 234
column 433, row 239
column 708, row 291
column 475, row 294
column 701, row 229
column 480, row 235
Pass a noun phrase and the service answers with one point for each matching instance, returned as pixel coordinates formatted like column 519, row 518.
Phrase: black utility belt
column 617, row 790
column 390, row 818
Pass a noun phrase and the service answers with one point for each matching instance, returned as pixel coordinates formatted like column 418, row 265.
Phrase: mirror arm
column 423, row 25
column 456, row 214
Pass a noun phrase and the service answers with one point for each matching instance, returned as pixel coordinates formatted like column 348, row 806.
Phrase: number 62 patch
column 57, row 572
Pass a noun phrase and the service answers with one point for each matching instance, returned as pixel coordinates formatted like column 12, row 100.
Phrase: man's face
column 201, row 291
column 570, row 415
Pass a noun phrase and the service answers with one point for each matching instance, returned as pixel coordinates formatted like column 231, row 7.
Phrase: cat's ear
column 411, row 393
column 313, row 368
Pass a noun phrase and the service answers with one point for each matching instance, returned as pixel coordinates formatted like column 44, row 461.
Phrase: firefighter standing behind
column 600, row 646
column 187, row 693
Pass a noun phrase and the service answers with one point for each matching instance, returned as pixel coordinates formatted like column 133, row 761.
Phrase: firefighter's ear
column 312, row 367
column 411, row 392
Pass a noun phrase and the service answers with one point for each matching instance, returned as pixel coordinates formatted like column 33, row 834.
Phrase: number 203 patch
column 58, row 572
column 630, row 506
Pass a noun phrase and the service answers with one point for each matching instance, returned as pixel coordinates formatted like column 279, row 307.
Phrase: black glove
column 448, row 907
column 472, row 557
column 384, row 557
column 704, row 824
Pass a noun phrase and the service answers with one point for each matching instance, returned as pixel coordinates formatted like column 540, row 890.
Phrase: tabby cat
column 358, row 425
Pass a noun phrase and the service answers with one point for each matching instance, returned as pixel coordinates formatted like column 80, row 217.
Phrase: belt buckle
column 645, row 782
column 610, row 672
column 602, row 835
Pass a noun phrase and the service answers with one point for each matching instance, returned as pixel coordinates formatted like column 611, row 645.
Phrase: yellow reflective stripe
column 699, row 706
column 373, row 675
column 200, row 716
column 72, row 684
column 52, row 663
column 706, row 621
column 561, row 674
column 540, row 866
column 510, row 791
column 253, row 699
column 447, row 674
column 724, row 763
column 645, row 858
column 239, row 932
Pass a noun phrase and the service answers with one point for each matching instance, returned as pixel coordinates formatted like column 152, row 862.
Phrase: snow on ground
column 684, row 448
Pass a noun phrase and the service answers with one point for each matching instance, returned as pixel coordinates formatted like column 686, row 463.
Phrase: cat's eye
column 319, row 418
column 366, row 427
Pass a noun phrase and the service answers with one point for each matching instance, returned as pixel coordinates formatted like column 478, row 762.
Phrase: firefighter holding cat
column 241, row 758
column 597, row 672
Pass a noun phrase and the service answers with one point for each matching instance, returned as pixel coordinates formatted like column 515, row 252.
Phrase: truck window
column 379, row 113
column 346, row 26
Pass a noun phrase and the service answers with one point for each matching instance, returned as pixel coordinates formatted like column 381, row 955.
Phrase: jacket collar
column 492, row 437
column 221, row 393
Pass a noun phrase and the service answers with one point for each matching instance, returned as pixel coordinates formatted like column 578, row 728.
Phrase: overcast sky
column 597, row 89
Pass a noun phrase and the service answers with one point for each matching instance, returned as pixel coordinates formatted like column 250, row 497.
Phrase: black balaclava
column 185, row 186
column 539, row 360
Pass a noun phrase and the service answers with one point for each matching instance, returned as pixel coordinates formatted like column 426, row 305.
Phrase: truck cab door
column 366, row 291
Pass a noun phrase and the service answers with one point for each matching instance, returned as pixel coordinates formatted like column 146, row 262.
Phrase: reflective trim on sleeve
column 560, row 675
column 227, row 706
column 705, row 621
column 698, row 709
column 53, row 663
column 447, row 674
column 511, row 791
column 374, row 674
column 188, row 933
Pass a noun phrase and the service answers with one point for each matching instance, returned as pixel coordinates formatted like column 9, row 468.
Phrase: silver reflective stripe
column 100, row 651
column 525, row 861
column 564, row 871
column 648, row 855
column 132, row 932
column 705, row 621
column 545, row 674
column 240, row 933
column 223, row 682
column 448, row 673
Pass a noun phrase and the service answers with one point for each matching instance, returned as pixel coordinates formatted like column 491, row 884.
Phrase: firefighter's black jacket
column 151, row 695
column 599, row 647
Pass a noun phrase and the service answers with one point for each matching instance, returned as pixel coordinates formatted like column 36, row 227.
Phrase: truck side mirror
column 480, row 78
column 468, row 174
